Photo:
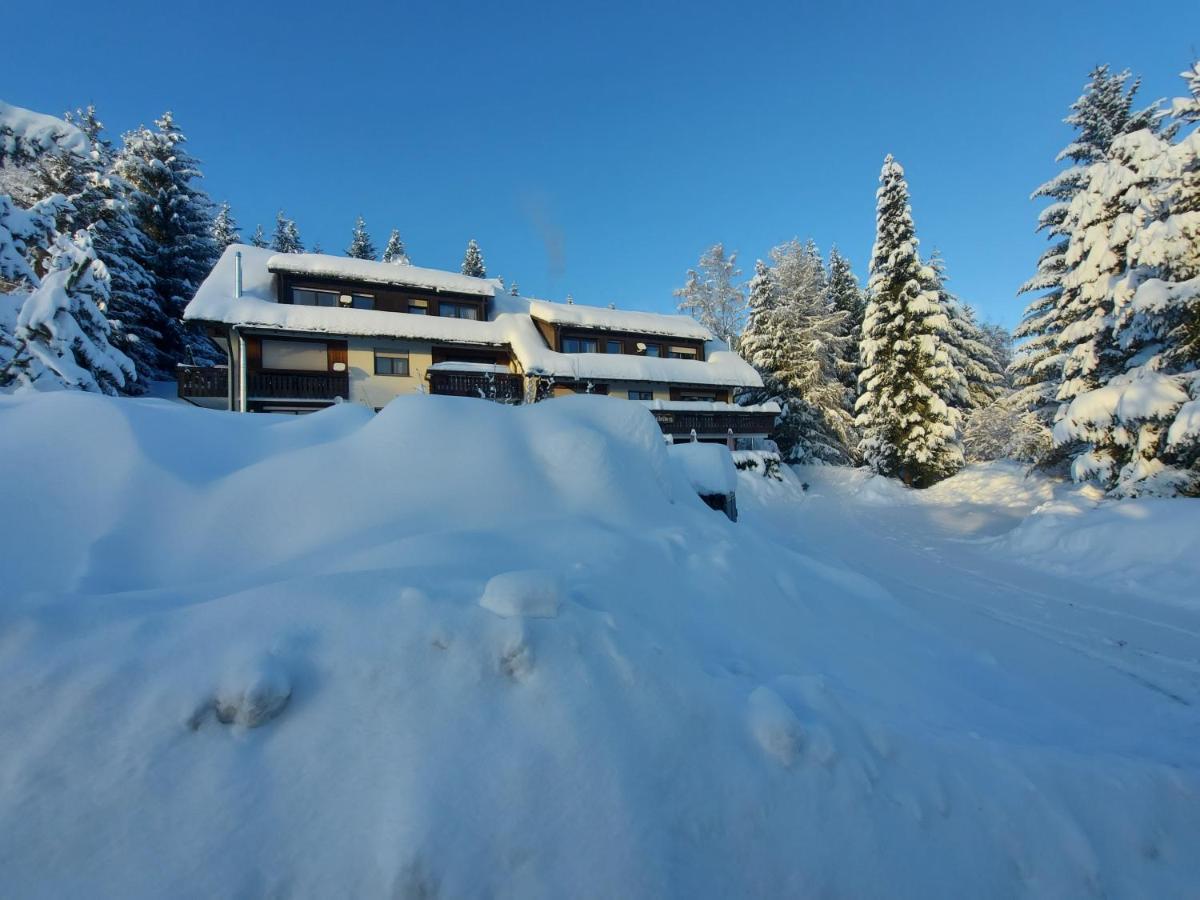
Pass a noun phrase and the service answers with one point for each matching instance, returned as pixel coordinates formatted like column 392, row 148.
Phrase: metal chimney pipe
column 237, row 274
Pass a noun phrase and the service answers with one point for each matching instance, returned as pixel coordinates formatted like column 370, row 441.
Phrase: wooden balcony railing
column 202, row 381
column 298, row 385
column 714, row 423
column 196, row 382
column 503, row 388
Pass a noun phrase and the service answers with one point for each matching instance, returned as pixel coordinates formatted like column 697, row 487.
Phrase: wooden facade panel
column 337, row 354
column 388, row 298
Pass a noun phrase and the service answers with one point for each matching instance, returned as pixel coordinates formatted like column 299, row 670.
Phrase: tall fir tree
column 286, row 238
column 712, row 296
column 472, row 263
column 909, row 431
column 176, row 216
column 1131, row 402
column 259, row 239
column 394, row 252
column 225, row 229
column 361, row 245
column 1104, row 111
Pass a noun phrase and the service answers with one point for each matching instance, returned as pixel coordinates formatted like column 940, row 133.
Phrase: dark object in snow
column 726, row 503
column 804, row 487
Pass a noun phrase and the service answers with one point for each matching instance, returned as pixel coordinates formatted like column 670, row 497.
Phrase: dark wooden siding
column 629, row 341
column 388, row 298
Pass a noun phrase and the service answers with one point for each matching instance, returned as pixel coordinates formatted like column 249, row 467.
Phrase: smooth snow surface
column 535, row 593
column 619, row 320
column 855, row 691
column 708, row 468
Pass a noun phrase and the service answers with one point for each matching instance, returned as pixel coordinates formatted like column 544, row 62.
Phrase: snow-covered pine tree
column 908, row 429
column 100, row 202
column 394, row 251
column 514, row 290
column 259, row 239
column 25, row 238
column 976, row 378
column 1137, row 416
column 61, row 338
column 846, row 295
column 711, row 296
column 756, row 344
column 286, row 238
column 472, row 263
column 1104, row 111
column 361, row 245
column 225, row 229
column 176, row 215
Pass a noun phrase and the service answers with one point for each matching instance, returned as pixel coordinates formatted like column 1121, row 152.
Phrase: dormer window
column 418, row 307
column 309, row 297
column 682, row 352
column 457, row 310
column 579, row 345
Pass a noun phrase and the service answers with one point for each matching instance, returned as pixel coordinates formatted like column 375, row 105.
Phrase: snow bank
column 1149, row 548
column 708, row 468
column 806, row 704
column 532, row 593
column 625, row 320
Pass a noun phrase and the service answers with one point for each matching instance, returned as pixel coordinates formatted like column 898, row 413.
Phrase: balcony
column 202, row 382
column 714, row 424
column 212, row 382
column 501, row 387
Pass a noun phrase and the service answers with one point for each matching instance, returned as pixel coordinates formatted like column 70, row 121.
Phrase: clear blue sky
column 599, row 149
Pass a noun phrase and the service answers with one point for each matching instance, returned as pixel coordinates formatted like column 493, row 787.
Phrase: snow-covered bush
column 1004, row 430
column 61, row 338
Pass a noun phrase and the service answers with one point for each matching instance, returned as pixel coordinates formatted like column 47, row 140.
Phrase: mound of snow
column 837, row 697
column 531, row 593
column 708, row 468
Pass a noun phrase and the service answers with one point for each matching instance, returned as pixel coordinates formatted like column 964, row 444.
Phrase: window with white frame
column 457, row 310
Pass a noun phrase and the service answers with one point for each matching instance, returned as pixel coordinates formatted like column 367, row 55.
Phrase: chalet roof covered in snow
column 321, row 265
column 510, row 323
column 618, row 320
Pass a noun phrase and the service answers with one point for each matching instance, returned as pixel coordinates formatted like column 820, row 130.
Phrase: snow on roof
column 510, row 325
column 380, row 273
column 26, row 130
column 618, row 320
column 709, row 406
column 257, row 307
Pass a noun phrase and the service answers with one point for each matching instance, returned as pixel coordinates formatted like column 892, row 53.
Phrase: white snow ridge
column 460, row 649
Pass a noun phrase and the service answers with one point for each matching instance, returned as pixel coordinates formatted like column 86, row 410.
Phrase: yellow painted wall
column 374, row 390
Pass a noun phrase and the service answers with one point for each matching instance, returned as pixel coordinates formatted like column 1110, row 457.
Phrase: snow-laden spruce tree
column 1133, row 415
column 286, row 237
column 61, row 335
column 361, row 245
column 794, row 338
column 225, row 229
column 711, row 296
column 909, row 431
column 25, row 237
column 514, row 290
column 100, row 202
column 1104, row 111
column 394, row 252
column 176, row 216
column 472, row 263
column 976, row 378
column 259, row 238
column 846, row 295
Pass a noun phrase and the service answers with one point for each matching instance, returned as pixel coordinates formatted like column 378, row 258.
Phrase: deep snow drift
column 462, row 649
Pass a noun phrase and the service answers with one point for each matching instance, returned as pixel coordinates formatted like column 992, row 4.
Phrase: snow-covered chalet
column 300, row 331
